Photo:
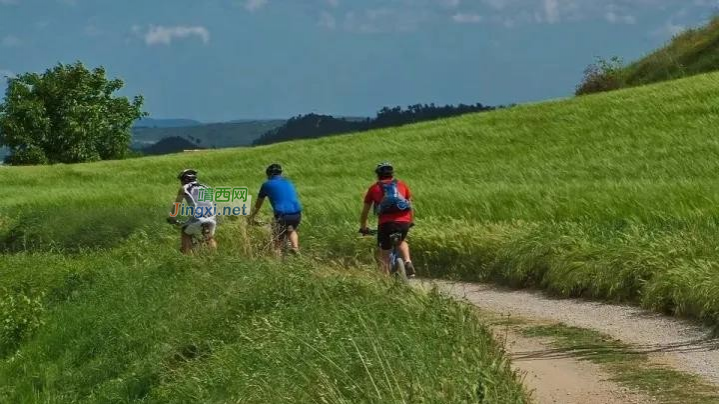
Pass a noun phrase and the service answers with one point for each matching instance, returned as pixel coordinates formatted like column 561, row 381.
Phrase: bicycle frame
column 394, row 254
column 283, row 238
column 197, row 239
column 396, row 264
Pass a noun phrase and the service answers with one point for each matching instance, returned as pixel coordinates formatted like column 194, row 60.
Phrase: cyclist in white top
column 202, row 223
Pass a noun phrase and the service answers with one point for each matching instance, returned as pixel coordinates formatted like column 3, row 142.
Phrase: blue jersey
column 282, row 194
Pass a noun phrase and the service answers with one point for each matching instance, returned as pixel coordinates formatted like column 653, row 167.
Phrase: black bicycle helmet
column 187, row 176
column 384, row 170
column 273, row 169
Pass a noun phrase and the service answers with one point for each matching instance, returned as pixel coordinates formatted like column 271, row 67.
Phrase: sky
column 217, row 60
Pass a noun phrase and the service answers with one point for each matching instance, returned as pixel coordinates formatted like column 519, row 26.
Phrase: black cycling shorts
column 385, row 230
column 285, row 223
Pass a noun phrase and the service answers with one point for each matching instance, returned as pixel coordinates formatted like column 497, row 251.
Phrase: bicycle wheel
column 399, row 271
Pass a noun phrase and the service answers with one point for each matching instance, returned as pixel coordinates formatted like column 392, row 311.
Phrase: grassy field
column 141, row 323
column 688, row 53
column 98, row 306
column 612, row 196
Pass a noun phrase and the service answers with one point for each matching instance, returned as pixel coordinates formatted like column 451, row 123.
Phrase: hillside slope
column 612, row 196
column 692, row 52
column 609, row 196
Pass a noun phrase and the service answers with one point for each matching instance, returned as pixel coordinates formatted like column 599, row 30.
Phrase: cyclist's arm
column 180, row 197
column 369, row 200
column 365, row 215
column 258, row 206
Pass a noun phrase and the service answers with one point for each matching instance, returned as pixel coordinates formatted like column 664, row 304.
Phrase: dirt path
column 680, row 344
column 564, row 379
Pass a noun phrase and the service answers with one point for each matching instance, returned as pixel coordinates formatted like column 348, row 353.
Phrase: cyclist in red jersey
column 391, row 199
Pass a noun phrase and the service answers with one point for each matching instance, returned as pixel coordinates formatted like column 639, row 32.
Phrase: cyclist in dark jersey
column 285, row 204
column 391, row 221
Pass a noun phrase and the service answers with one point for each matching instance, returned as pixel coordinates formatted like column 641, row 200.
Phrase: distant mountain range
column 164, row 123
column 206, row 135
column 168, row 145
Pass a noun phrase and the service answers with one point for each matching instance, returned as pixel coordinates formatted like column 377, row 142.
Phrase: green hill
column 611, row 196
column 689, row 53
column 692, row 52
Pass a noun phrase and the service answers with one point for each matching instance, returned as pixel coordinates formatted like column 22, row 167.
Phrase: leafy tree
column 66, row 115
column 603, row 75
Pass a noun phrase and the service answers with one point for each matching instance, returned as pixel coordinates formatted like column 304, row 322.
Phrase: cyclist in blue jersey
column 285, row 204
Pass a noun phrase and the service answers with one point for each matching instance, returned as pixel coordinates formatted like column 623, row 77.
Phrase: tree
column 66, row 115
column 603, row 75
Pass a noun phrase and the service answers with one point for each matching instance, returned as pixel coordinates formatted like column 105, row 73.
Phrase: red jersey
column 374, row 196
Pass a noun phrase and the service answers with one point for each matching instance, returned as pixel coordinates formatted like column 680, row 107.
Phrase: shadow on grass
column 602, row 350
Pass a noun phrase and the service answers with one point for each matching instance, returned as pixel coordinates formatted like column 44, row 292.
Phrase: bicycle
column 396, row 267
column 198, row 240
column 286, row 244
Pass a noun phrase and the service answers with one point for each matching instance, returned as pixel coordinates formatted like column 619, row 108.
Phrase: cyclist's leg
column 384, row 231
column 279, row 232
column 293, row 223
column 186, row 243
column 208, row 232
column 294, row 239
column 404, row 249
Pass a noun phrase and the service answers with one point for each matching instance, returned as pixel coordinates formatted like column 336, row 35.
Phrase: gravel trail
column 684, row 345
column 563, row 379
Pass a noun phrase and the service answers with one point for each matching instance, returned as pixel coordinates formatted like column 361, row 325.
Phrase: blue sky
column 216, row 60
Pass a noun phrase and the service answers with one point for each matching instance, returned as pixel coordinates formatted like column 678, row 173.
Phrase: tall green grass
column 612, row 196
column 688, row 53
column 141, row 323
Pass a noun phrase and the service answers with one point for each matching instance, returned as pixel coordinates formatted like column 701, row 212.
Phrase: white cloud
column 380, row 20
column 407, row 15
column 92, row 30
column 617, row 14
column 10, row 41
column 615, row 18
column 327, row 20
column 254, row 5
column 496, row 4
column 551, row 10
column 161, row 35
column 669, row 30
column 467, row 18
column 4, row 73
column 450, row 3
